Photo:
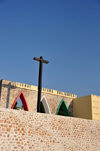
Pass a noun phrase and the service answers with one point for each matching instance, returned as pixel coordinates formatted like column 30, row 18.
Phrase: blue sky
column 64, row 32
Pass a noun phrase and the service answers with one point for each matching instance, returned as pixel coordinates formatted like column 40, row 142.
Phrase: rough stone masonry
column 28, row 131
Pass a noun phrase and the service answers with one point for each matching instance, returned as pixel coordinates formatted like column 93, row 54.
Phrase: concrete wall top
column 35, row 88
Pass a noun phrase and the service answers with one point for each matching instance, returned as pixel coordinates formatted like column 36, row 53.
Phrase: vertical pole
column 41, row 61
column 39, row 84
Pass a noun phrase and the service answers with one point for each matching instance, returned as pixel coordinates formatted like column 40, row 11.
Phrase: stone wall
column 95, row 107
column 87, row 107
column 10, row 90
column 28, row 131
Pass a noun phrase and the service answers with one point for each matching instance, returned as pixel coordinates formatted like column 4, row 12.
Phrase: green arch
column 62, row 109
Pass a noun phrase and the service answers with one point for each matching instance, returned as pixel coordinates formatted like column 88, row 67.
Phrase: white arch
column 45, row 104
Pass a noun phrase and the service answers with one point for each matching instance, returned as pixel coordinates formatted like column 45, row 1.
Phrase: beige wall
column 10, row 90
column 95, row 107
column 87, row 107
column 82, row 107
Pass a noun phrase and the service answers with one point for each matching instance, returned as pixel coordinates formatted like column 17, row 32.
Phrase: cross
column 41, row 61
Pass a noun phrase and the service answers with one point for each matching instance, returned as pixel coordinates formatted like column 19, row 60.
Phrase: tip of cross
column 41, row 59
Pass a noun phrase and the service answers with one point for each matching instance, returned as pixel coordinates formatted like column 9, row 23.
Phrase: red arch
column 22, row 97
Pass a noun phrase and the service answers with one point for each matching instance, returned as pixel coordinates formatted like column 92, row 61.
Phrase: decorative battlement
column 45, row 90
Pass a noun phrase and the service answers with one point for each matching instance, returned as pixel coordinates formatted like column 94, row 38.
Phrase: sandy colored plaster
column 22, row 130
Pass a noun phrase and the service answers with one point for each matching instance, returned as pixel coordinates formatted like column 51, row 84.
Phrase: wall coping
column 44, row 90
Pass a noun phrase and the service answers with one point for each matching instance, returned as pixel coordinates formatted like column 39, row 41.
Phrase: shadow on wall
column 70, row 108
column 9, row 86
column 44, row 107
column 0, row 89
column 8, row 95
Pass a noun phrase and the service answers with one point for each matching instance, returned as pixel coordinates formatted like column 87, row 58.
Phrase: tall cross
column 41, row 61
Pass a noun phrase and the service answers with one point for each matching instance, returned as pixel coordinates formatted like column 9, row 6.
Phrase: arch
column 62, row 109
column 45, row 105
column 42, row 110
column 22, row 97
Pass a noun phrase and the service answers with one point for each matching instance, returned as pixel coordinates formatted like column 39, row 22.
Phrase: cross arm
column 41, row 59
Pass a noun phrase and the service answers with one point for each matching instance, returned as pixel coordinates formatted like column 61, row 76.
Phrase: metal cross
column 41, row 61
